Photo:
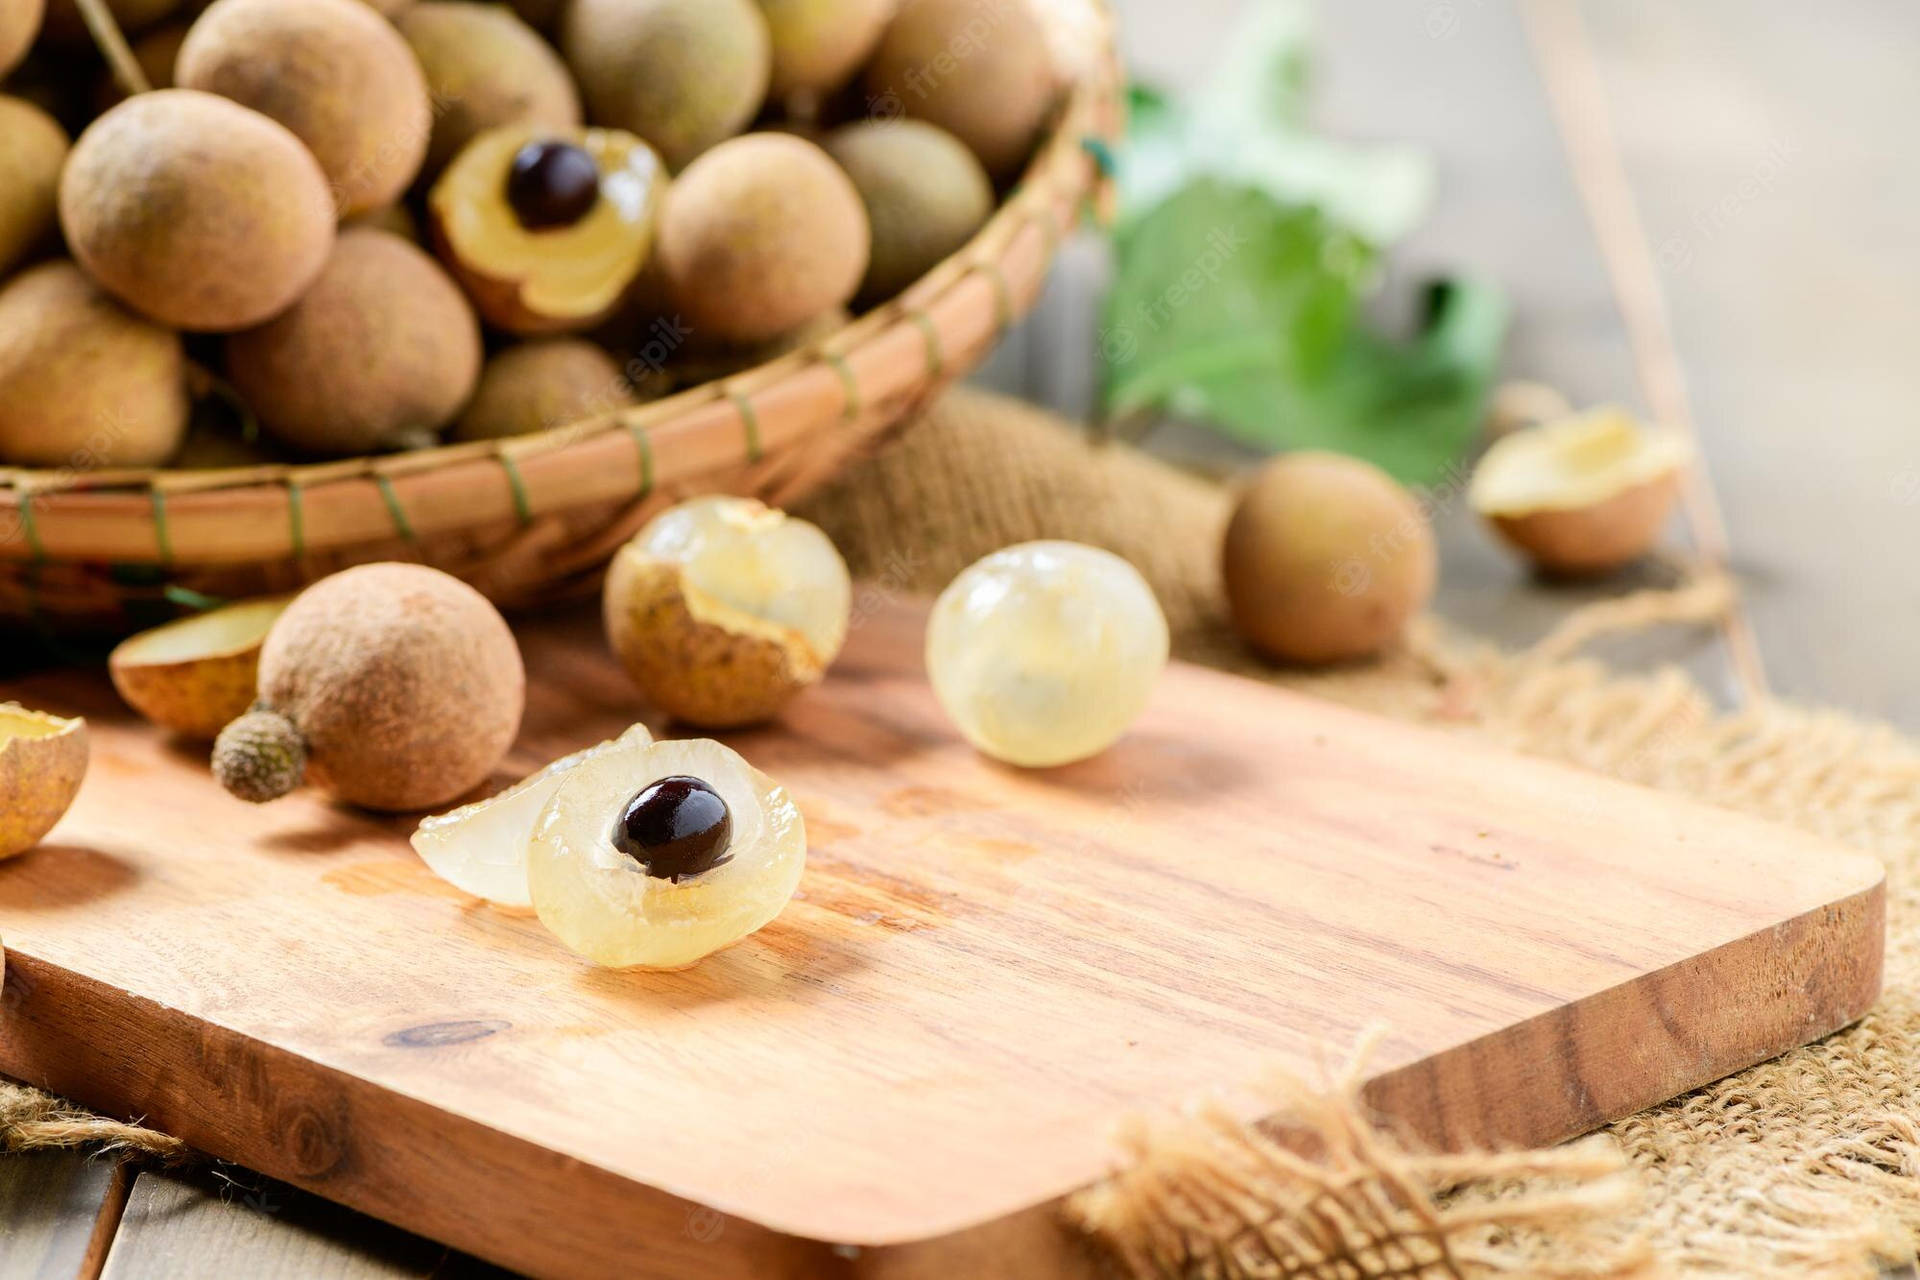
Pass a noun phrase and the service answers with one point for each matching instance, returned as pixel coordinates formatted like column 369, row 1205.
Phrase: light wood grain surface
column 1791, row 289
column 985, row 973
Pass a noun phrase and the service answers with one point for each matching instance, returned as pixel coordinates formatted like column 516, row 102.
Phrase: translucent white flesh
column 481, row 848
column 217, row 633
column 1571, row 464
column 1046, row 652
column 603, row 905
column 760, row 561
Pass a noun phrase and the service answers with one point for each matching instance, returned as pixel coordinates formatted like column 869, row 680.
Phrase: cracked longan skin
column 405, row 683
column 383, row 343
column 196, row 211
column 698, row 671
column 334, row 72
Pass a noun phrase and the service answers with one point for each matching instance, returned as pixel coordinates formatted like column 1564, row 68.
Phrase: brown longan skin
column 485, row 68
column 1326, row 559
column 196, row 211
column 19, row 24
column 405, row 683
column 334, row 72
column 980, row 69
column 384, row 343
column 759, row 236
column 925, row 193
column 85, row 383
column 682, row 75
column 818, row 45
column 33, row 147
column 538, row 386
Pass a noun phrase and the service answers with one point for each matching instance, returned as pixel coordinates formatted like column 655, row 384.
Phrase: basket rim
column 1069, row 166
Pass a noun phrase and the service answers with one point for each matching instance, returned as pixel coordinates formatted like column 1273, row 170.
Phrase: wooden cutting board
column 986, row 971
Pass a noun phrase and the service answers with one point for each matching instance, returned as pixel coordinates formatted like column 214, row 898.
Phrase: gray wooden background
column 1745, row 168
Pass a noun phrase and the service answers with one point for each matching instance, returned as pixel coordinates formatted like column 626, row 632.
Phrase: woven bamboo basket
column 536, row 518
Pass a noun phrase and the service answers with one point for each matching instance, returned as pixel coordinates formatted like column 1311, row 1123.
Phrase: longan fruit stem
column 112, row 44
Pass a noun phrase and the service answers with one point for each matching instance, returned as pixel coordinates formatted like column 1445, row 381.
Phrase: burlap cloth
column 1807, row 1166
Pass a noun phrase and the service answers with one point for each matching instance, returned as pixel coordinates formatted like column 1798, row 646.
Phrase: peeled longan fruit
column 485, row 68
column 1326, row 559
column 19, row 24
column 925, row 194
column 334, row 72
column 542, row 385
column 196, row 211
column 383, row 344
column 819, row 44
column 759, row 236
column 680, row 74
column 32, row 149
column 85, row 383
column 391, row 686
column 979, row 69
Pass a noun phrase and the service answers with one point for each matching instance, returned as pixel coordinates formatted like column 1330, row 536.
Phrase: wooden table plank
column 187, row 1227
column 50, row 1203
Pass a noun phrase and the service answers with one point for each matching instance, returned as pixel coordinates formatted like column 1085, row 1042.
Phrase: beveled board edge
column 547, row 1214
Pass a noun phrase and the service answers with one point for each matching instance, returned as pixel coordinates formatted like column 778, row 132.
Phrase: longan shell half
column 43, row 760
column 1595, row 539
column 334, row 72
column 196, row 211
column 405, row 683
column 695, row 658
column 383, row 343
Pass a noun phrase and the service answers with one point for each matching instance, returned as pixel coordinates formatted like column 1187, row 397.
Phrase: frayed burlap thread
column 34, row 1121
column 1803, row 1168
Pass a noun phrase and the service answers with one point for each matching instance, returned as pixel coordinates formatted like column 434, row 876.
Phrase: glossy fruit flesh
column 481, row 848
column 602, row 904
column 1044, row 653
column 676, row 828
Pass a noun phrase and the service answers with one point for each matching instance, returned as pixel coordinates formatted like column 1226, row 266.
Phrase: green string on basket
column 162, row 536
column 936, row 358
column 838, row 363
column 644, row 444
column 400, row 521
column 296, row 518
column 750, row 419
column 518, row 486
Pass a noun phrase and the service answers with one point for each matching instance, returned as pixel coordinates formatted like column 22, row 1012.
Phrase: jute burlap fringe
column 34, row 1121
column 1803, row 1168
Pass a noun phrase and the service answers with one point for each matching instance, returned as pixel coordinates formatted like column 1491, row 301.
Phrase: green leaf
column 1234, row 308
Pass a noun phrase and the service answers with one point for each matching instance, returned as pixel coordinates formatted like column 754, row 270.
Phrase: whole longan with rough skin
column 538, row 386
column 19, row 24
column 334, row 72
column 1326, row 559
column 819, row 44
column 85, row 383
column 33, row 147
column 485, row 68
column 759, row 236
column 196, row 211
column 980, row 69
column 399, row 686
column 926, row 196
column 383, row 343
column 680, row 74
